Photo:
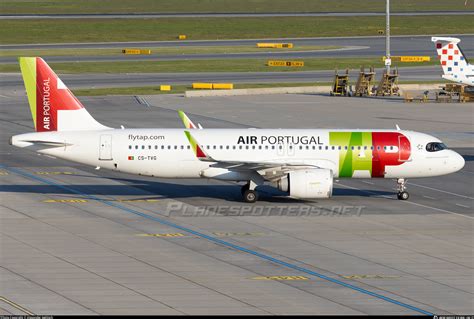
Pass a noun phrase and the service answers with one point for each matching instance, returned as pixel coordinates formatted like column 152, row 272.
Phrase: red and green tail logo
column 47, row 94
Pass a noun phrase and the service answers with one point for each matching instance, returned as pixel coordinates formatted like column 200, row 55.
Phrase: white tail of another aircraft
column 455, row 65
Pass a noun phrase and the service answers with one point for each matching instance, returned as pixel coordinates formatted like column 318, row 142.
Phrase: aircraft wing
column 276, row 167
column 260, row 166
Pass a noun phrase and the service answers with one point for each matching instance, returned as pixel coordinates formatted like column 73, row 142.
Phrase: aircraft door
column 105, row 148
column 404, row 150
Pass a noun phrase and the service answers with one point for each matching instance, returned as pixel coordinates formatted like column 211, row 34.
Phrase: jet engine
column 307, row 183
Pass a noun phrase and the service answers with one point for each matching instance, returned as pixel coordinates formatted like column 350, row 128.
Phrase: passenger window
column 136, row 147
column 130, row 147
column 143, row 147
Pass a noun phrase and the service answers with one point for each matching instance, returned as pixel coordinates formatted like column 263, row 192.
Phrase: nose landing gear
column 401, row 187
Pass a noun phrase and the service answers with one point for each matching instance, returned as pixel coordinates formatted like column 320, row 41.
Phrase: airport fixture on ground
column 286, row 63
column 388, row 84
column 222, row 86
column 213, row 86
column 341, row 84
column 408, row 58
column 365, row 82
column 136, row 51
column 453, row 92
column 165, row 87
column 275, row 45
column 182, row 37
column 198, row 85
column 410, row 96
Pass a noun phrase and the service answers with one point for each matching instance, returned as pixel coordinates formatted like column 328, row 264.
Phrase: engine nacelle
column 307, row 183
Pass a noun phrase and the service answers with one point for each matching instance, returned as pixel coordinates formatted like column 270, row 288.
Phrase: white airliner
column 301, row 162
column 455, row 65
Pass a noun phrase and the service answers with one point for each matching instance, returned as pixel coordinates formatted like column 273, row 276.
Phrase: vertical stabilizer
column 455, row 65
column 53, row 106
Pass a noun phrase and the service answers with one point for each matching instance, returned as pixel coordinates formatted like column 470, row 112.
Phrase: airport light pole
column 388, row 60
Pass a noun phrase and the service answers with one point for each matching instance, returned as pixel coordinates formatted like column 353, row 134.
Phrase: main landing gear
column 401, row 187
column 248, row 192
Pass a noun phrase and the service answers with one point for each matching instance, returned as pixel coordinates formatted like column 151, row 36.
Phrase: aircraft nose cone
column 458, row 162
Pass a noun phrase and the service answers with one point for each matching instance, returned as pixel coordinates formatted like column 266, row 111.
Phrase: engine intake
column 307, row 183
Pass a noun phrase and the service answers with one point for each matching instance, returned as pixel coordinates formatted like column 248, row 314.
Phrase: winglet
column 198, row 150
column 186, row 121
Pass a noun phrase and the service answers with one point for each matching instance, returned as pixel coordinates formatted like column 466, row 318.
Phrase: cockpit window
column 435, row 147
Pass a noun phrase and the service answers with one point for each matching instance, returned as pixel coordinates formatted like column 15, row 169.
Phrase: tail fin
column 53, row 107
column 453, row 61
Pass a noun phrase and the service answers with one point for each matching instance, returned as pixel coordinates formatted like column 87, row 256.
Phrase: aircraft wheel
column 250, row 196
column 403, row 195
